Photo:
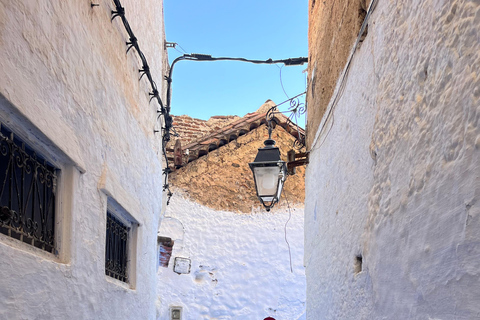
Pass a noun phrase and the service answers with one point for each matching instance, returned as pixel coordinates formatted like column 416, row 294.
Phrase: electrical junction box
column 175, row 313
column 182, row 265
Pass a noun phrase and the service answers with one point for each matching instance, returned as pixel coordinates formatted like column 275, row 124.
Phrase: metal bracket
column 296, row 160
column 170, row 44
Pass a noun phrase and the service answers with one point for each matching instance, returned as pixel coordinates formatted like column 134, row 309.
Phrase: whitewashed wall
column 69, row 89
column 397, row 179
column 240, row 266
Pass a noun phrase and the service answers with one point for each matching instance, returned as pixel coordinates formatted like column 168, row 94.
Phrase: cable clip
column 154, row 94
column 145, row 70
column 120, row 12
column 170, row 45
column 133, row 43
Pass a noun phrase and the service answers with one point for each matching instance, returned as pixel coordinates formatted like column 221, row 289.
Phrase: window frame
column 66, row 174
column 119, row 213
column 28, row 190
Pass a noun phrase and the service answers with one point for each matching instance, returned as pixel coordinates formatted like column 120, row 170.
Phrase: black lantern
column 269, row 173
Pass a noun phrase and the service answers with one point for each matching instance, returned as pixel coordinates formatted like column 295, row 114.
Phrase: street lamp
column 269, row 172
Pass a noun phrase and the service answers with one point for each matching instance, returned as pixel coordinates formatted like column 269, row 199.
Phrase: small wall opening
column 358, row 264
column 176, row 313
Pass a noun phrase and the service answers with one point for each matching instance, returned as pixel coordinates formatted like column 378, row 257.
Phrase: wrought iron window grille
column 116, row 251
column 27, row 195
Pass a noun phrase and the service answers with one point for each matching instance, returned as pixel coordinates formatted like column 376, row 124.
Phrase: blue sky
column 250, row 29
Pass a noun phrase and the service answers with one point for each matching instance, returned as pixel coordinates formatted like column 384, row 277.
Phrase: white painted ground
column 240, row 264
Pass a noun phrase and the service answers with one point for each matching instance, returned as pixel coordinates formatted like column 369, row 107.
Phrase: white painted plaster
column 69, row 88
column 397, row 179
column 240, row 263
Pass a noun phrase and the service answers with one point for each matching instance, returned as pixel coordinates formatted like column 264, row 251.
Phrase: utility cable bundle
column 145, row 71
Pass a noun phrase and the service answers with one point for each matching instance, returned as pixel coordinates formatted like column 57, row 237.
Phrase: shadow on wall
column 171, row 233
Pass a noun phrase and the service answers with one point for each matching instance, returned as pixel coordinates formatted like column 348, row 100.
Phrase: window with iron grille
column 27, row 193
column 116, row 251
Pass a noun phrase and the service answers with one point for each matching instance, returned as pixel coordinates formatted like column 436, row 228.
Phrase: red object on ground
column 269, row 318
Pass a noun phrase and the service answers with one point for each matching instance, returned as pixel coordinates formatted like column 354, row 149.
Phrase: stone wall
column 223, row 180
column 392, row 214
column 70, row 90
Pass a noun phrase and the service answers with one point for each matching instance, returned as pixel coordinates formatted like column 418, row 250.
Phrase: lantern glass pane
column 267, row 180
column 267, row 199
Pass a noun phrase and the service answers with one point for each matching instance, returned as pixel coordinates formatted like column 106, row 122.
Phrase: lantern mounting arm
column 296, row 109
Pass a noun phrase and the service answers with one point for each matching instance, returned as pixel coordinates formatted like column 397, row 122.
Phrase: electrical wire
column 182, row 48
column 288, row 244
column 281, row 82
column 145, row 71
column 178, row 50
